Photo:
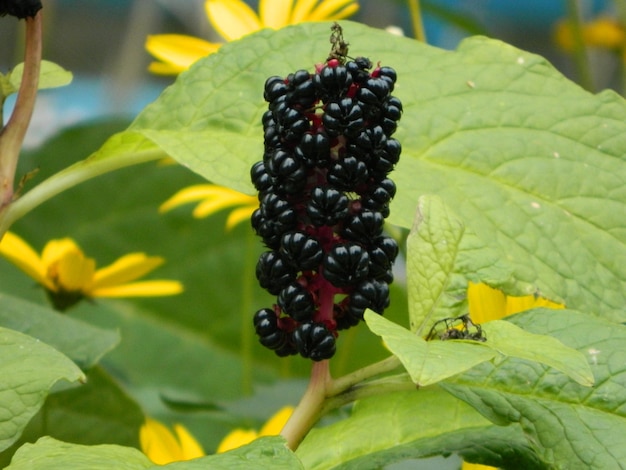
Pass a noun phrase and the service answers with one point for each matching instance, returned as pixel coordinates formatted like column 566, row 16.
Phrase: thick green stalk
column 309, row 410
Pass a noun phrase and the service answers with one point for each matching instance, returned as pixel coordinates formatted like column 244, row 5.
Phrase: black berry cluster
column 324, row 195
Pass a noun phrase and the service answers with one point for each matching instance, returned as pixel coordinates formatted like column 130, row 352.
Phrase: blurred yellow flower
column 233, row 19
column 69, row 276
column 486, row 304
column 163, row 447
column 213, row 199
column 241, row 437
column 603, row 32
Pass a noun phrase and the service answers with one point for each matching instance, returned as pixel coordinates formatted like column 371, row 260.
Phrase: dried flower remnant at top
column 324, row 194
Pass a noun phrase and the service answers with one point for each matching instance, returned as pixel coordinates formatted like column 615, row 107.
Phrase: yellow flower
column 486, row 304
column 214, row 198
column 233, row 19
column 163, row 447
column 69, row 276
column 603, row 32
column 241, row 437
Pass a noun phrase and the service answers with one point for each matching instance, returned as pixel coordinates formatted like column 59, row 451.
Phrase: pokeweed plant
column 532, row 166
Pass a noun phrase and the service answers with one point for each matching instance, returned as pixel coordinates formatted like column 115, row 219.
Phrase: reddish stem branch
column 12, row 136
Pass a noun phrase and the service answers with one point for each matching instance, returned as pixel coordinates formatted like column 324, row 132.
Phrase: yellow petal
column 209, row 207
column 275, row 13
column 476, row 466
column 156, row 288
column 277, row 422
column 526, row 302
column 127, row 268
column 22, row 255
column 190, row 448
column 485, row 303
column 56, row 249
column 215, row 198
column 236, row 438
column 239, row 215
column 186, row 195
column 177, row 51
column 161, row 68
column 232, row 18
column 74, row 272
column 302, row 10
column 333, row 10
column 159, row 443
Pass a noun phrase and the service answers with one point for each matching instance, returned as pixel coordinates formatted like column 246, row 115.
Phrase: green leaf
column 99, row 412
column 571, row 426
column 265, row 453
column 510, row 340
column 48, row 453
column 82, row 343
column 51, row 75
column 29, row 368
column 432, row 247
column 428, row 362
column 529, row 160
column 416, row 424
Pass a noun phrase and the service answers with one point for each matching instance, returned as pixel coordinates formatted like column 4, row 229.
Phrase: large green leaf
column 529, row 160
column 80, row 341
column 571, row 426
column 29, row 368
column 48, row 453
column 422, row 423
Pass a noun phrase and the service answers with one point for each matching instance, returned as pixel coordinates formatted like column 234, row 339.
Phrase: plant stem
column 12, row 136
column 309, row 410
column 346, row 382
column 75, row 174
column 416, row 20
column 580, row 50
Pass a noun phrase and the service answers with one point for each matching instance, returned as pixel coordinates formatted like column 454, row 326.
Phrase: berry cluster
column 324, row 194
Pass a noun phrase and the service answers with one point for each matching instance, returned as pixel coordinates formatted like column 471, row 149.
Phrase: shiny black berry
column 297, row 302
column 347, row 173
column 327, row 206
column 363, row 226
column 368, row 294
column 346, row 264
column 314, row 340
column 343, row 117
column 302, row 251
column 332, row 82
column 274, row 272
